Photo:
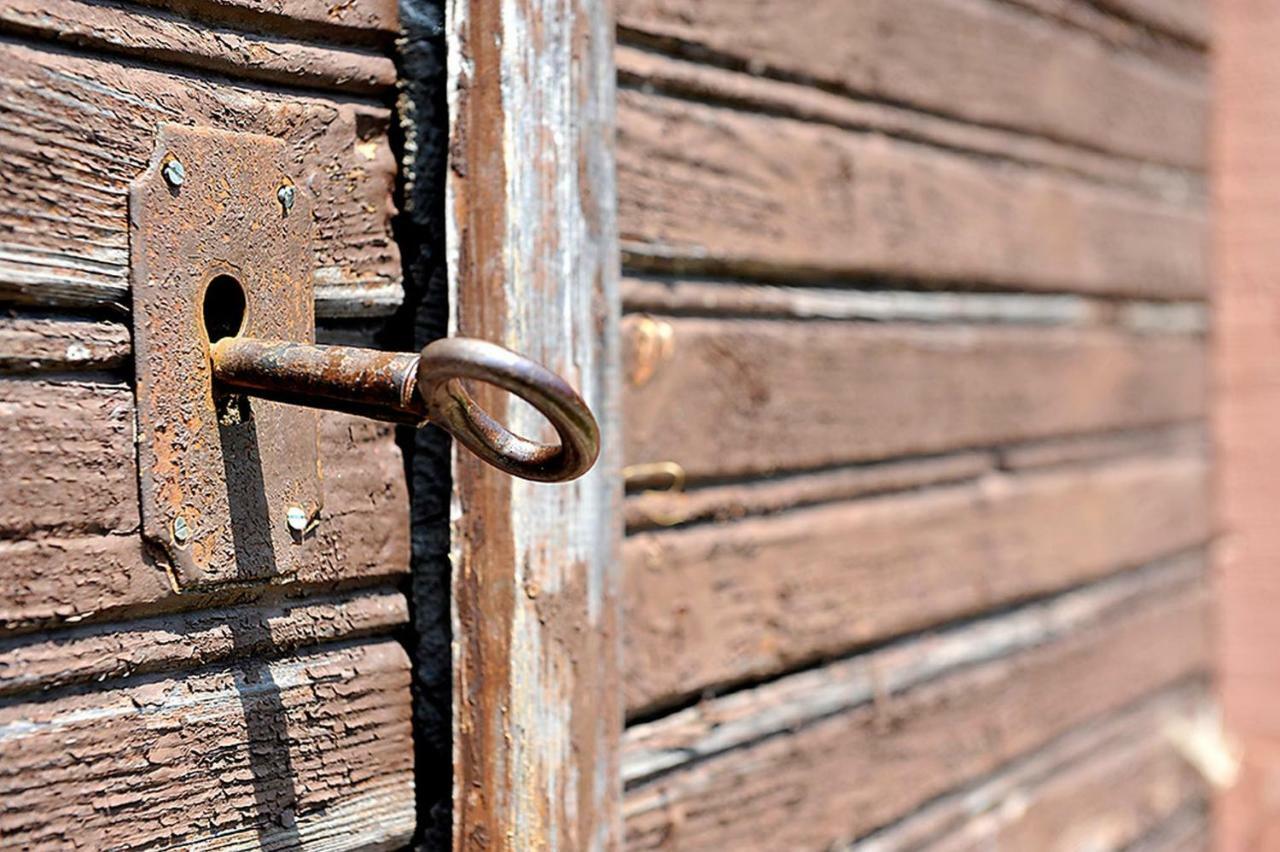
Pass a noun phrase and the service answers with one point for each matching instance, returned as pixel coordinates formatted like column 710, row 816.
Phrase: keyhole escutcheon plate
column 230, row 485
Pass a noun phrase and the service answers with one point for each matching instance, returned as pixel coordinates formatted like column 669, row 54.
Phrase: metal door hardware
column 422, row 388
column 228, row 373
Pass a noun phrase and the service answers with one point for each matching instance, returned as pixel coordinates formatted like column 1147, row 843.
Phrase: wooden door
column 141, row 711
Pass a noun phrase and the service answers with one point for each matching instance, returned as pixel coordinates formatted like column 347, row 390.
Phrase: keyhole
column 224, row 306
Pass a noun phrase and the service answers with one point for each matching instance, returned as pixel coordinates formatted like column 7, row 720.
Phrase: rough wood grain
column 85, row 481
column 743, row 397
column 692, row 297
column 314, row 749
column 657, row 508
column 1102, row 787
column 533, row 265
column 1246, row 408
column 919, row 718
column 652, row 71
column 1186, row 19
column 66, row 450
column 714, row 605
column 268, row 627
column 986, row 62
column 708, row 189
column 35, row 343
column 363, row 20
column 75, row 130
column 161, row 36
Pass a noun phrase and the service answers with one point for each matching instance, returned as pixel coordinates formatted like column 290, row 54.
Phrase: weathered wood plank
column 268, row 627
column 744, row 397
column 919, row 718
column 314, row 749
column 366, row 18
column 986, row 62
column 532, row 264
column 1173, row 441
column 1185, row 19
column 714, row 605
column 67, row 453
column 161, row 36
column 35, row 343
column 651, row 71
column 714, row 190
column 86, row 480
column 1102, row 787
column 75, row 130
column 685, row 297
column 658, row 508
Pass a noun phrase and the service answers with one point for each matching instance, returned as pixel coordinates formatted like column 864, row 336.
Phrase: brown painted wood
column 657, row 508
column 982, row 61
column 651, row 71
column 70, row 447
column 786, row 765
column 748, row 397
column 720, row 604
column 36, row 343
column 311, row 750
column 1105, row 786
column 161, row 36
column 267, row 627
column 76, row 130
column 707, row 189
column 533, row 265
column 317, row 19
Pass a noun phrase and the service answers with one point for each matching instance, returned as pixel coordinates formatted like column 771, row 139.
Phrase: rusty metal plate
column 230, row 485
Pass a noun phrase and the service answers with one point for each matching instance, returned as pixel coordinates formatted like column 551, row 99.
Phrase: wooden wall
column 132, row 716
column 916, row 389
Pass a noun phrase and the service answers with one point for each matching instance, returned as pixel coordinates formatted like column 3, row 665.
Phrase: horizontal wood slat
column 914, row 720
column 982, row 61
column 265, row 628
column 1186, row 19
column 710, row 189
column 67, row 449
column 314, row 749
column 70, row 446
column 161, row 36
column 31, row 344
column 1103, row 787
column 671, row 75
column 658, row 508
column 718, row 604
column 75, row 130
column 737, row 398
column 323, row 18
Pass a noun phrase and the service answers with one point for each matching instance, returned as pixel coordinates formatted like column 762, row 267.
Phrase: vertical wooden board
column 533, row 265
column 1246, row 410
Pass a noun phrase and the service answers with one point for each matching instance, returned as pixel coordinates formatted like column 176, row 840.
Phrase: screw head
column 181, row 529
column 296, row 517
column 285, row 195
column 174, row 172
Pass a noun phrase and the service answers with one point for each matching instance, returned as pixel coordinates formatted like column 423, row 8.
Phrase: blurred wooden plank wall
column 131, row 716
column 916, row 372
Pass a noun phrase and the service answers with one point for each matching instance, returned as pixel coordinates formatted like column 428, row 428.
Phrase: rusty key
column 419, row 388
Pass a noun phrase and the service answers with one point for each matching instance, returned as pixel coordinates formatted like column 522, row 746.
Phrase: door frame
column 533, row 264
